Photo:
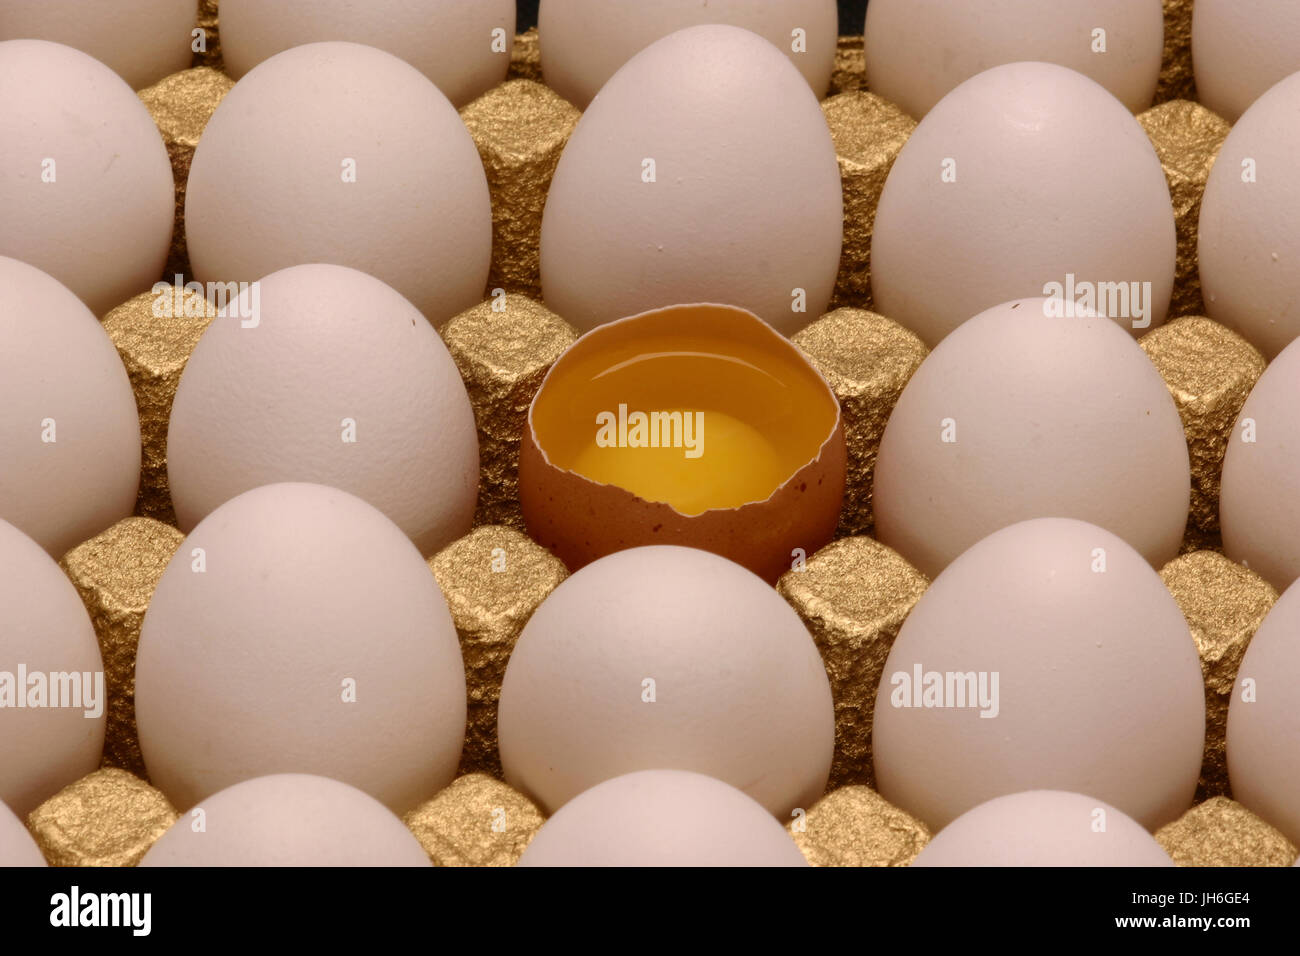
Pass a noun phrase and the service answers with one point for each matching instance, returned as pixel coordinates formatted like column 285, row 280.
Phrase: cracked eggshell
column 581, row 520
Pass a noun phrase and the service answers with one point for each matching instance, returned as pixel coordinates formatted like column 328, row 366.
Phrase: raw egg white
column 662, row 818
column 340, row 382
column 1024, row 175
column 1043, row 828
column 584, row 42
column 666, row 657
column 703, row 172
column 87, row 191
column 1049, row 655
column 289, row 820
column 298, row 630
column 918, row 50
column 382, row 176
column 462, row 46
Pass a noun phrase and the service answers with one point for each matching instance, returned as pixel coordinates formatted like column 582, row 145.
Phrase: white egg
column 87, row 192
column 584, row 42
column 703, row 172
column 1048, row 656
column 69, row 432
column 297, row 630
column 1043, row 828
column 341, row 153
column 1025, row 175
column 666, row 657
column 1261, row 476
column 918, row 50
column 662, row 818
column 17, row 848
column 289, row 820
column 1248, row 247
column 1240, row 48
column 463, row 46
column 140, row 40
column 1264, row 720
column 340, row 382
column 1019, row 415
column 51, row 727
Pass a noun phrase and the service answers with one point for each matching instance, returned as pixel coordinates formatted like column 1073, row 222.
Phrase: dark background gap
column 853, row 14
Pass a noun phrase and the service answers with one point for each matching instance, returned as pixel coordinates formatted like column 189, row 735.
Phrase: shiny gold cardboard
column 1176, row 79
column 1221, row 832
column 154, row 350
column 855, row 826
column 526, row 57
column 867, row 359
column 503, row 348
column 207, row 21
column 1209, row 370
column 477, row 821
column 1224, row 603
column 493, row 580
column 850, row 72
column 853, row 595
column 115, row 573
column 181, row 105
column 868, row 133
column 520, row 129
column 107, row 818
column 1187, row 137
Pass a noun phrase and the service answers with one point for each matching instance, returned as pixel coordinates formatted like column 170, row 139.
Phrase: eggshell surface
column 704, row 172
column 1240, row 48
column 1072, row 646
column 381, row 175
column 87, row 196
column 140, row 40
column 450, row 41
column 918, row 50
column 1247, row 244
column 1020, row 415
column 1023, row 175
column 584, row 42
column 289, row 820
column 17, row 848
column 298, row 630
column 339, row 382
column 662, row 818
column 1043, row 828
column 69, row 432
column 666, row 657
column 43, row 748
column 1264, row 720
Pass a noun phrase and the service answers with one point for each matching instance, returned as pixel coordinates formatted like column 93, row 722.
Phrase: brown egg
column 694, row 425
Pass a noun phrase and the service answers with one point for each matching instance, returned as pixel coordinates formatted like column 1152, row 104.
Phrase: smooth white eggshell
column 1240, row 48
column 265, row 404
column 584, row 42
column 740, row 691
column 242, row 668
column 269, row 187
column 289, row 820
column 449, row 41
column 45, row 628
column 746, row 204
column 918, row 50
column 1263, row 731
column 1053, row 176
column 1099, row 683
column 1051, row 417
column 17, row 848
column 662, row 818
column 1043, row 828
column 102, row 225
column 1259, row 496
column 140, row 40
column 1248, row 246
column 61, row 378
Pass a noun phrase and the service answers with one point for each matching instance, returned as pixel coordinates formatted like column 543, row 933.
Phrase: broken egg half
column 694, row 425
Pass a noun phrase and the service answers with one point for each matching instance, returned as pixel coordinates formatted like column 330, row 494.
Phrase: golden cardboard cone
column 477, row 821
column 207, row 21
column 1221, row 832
column 855, row 826
column 526, row 57
column 107, row 818
column 1177, row 81
column 850, row 71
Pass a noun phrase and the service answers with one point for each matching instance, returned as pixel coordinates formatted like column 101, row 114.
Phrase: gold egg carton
column 853, row 595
